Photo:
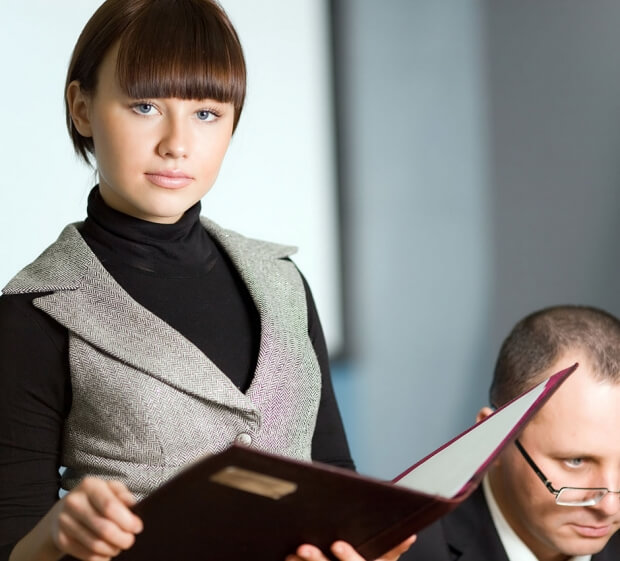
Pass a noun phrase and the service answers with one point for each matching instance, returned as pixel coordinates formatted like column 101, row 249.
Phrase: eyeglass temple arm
column 536, row 469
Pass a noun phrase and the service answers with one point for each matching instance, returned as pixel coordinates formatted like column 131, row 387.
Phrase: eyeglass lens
column 571, row 496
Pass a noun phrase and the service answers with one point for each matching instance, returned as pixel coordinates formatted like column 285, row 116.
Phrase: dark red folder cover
column 243, row 504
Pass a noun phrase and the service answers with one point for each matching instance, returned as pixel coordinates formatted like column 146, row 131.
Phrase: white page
column 448, row 471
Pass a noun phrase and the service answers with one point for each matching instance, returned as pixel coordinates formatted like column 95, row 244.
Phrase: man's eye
column 205, row 115
column 574, row 462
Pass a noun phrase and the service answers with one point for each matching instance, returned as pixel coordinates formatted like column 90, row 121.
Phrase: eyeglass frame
column 594, row 501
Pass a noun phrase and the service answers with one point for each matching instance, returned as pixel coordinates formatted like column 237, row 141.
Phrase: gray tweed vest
column 146, row 401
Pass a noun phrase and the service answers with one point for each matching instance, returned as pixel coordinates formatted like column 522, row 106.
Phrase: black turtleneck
column 179, row 273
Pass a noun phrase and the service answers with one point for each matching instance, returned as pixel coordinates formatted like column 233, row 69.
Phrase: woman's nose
column 175, row 141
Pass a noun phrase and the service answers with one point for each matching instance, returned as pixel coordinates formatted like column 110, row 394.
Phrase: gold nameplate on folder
column 254, row 482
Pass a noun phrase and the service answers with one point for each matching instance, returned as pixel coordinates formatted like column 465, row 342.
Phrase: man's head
column 542, row 338
column 573, row 439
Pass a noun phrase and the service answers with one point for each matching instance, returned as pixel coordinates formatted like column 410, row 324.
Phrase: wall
column 554, row 83
column 277, row 182
column 480, row 171
column 481, row 175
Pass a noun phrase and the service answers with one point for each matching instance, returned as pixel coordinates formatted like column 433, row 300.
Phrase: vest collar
column 87, row 300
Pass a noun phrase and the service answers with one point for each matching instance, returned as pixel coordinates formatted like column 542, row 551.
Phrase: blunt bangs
column 184, row 49
column 167, row 48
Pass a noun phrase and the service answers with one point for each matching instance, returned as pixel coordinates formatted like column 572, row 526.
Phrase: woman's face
column 155, row 157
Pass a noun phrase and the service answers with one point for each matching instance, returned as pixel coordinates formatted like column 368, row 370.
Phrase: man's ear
column 483, row 413
column 79, row 108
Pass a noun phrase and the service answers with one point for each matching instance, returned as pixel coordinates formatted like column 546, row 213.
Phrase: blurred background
column 445, row 168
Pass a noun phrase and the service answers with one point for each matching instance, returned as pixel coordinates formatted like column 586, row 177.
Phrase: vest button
column 244, row 439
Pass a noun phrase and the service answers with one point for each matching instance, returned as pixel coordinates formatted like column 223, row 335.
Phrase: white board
column 278, row 179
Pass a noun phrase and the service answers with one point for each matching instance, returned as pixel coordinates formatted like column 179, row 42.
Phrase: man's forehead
column 584, row 414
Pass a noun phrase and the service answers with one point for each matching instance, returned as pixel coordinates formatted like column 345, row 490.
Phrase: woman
column 146, row 336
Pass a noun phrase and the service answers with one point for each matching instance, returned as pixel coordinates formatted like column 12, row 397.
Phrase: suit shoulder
column 611, row 552
column 430, row 545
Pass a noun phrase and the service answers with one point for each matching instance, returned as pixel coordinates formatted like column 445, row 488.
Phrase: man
column 554, row 495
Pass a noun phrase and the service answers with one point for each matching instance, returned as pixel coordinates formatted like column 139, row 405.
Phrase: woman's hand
column 92, row 523
column 345, row 552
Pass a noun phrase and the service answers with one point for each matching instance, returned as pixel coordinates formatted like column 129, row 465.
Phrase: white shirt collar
column 516, row 550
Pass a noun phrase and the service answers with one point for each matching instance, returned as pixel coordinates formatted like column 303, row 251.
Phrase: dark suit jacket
column 468, row 534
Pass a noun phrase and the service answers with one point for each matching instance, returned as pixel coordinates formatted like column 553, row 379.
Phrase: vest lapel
column 93, row 306
column 257, row 265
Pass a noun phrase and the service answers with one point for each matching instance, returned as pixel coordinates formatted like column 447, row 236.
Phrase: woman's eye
column 205, row 115
column 143, row 108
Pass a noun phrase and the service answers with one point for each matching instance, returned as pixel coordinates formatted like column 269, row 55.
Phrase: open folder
column 243, row 504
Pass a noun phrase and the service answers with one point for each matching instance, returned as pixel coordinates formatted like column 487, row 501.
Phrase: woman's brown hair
column 186, row 49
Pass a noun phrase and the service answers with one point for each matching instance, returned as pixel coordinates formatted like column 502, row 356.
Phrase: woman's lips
column 169, row 179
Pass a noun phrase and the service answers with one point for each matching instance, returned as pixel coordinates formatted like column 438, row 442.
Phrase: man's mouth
column 595, row 531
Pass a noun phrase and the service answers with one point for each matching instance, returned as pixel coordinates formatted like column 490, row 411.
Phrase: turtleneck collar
column 181, row 249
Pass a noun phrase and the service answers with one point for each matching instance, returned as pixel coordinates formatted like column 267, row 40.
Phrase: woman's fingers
column 346, row 552
column 395, row 553
column 110, row 500
column 307, row 552
column 122, row 492
column 94, row 522
column 77, row 550
column 75, row 537
column 342, row 550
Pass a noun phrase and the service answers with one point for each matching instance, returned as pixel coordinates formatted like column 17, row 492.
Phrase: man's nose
column 610, row 503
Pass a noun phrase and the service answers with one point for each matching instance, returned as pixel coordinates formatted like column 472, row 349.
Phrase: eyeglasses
column 567, row 496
